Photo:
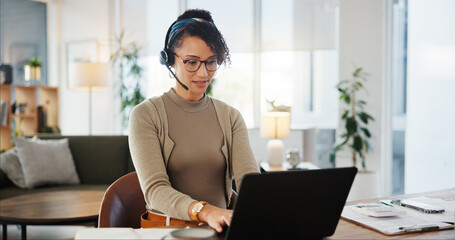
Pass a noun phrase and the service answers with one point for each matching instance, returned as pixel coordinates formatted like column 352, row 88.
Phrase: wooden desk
column 345, row 229
column 348, row 230
column 50, row 208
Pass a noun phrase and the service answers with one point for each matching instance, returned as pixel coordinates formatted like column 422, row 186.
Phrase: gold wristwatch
column 197, row 208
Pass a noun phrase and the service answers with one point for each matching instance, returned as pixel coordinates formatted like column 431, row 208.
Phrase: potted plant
column 355, row 119
column 32, row 69
column 355, row 135
column 126, row 59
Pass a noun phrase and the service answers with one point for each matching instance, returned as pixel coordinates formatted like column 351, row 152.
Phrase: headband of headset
column 178, row 27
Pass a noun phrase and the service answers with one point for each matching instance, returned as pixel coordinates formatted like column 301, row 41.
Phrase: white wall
column 361, row 44
column 430, row 132
column 75, row 20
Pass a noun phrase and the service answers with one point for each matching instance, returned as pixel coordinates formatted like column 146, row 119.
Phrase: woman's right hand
column 215, row 217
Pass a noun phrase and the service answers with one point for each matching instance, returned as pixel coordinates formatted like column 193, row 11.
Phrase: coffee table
column 50, row 208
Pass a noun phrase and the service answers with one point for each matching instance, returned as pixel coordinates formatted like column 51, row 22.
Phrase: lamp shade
column 275, row 125
column 83, row 75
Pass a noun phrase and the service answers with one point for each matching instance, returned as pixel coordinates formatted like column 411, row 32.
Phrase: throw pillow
column 11, row 166
column 46, row 162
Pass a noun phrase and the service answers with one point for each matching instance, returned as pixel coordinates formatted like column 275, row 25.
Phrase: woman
column 187, row 147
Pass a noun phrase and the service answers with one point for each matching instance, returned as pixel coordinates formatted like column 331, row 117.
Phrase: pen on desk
column 419, row 229
column 390, row 205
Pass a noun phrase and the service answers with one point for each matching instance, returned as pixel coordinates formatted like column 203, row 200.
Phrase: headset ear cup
column 166, row 58
column 170, row 58
column 163, row 57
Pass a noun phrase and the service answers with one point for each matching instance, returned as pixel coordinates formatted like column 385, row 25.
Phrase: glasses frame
column 201, row 62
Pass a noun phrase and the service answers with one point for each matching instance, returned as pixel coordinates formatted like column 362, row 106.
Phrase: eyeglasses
column 193, row 65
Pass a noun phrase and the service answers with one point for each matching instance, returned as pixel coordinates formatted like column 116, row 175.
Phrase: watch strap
column 196, row 212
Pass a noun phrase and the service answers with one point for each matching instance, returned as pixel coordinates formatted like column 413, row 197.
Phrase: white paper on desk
column 449, row 207
column 123, row 233
column 106, row 233
column 390, row 225
column 154, row 233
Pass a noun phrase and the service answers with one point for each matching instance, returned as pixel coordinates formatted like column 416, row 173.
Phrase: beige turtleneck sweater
column 152, row 146
column 196, row 166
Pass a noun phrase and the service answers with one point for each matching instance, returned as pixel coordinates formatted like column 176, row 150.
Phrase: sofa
column 99, row 161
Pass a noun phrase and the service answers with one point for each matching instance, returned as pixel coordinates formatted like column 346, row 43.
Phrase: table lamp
column 88, row 76
column 275, row 125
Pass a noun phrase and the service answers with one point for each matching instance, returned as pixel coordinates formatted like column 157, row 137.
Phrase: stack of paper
column 413, row 218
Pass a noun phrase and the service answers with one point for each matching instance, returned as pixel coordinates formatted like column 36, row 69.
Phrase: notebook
column 290, row 205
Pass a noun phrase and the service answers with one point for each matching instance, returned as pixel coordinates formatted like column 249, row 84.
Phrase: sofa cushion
column 46, row 162
column 11, row 166
column 99, row 159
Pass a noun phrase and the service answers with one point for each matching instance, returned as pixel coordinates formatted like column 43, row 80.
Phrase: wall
column 430, row 141
column 23, row 36
column 73, row 18
column 361, row 45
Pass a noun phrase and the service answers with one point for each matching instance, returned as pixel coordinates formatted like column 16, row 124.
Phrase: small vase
column 32, row 73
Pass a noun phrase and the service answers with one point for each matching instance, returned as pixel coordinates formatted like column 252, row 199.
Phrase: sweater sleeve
column 148, row 160
column 243, row 160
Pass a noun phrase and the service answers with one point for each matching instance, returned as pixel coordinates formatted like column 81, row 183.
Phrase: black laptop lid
column 290, row 205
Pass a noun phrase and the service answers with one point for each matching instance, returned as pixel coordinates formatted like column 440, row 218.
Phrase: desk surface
column 348, row 230
column 345, row 229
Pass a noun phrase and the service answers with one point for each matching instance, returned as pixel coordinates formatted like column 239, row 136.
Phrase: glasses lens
column 192, row 65
column 212, row 65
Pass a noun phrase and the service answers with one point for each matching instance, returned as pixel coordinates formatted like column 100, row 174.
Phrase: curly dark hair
column 209, row 33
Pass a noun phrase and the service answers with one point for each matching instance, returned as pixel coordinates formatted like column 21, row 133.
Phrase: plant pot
column 365, row 186
column 32, row 73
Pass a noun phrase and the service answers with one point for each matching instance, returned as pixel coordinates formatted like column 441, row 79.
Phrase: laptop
column 290, row 205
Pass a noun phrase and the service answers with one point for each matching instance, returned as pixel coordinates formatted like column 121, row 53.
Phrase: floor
column 43, row 232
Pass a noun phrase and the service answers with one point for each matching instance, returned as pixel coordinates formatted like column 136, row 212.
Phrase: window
column 399, row 63
column 234, row 84
column 299, row 60
column 296, row 63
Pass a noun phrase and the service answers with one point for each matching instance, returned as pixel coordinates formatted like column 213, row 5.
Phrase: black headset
column 167, row 58
column 166, row 55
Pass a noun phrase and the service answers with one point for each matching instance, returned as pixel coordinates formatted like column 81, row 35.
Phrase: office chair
column 123, row 203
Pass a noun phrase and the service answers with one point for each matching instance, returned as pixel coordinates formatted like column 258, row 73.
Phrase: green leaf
column 332, row 157
column 366, row 132
column 340, row 143
column 363, row 117
column 345, row 114
column 358, row 144
column 351, row 125
column 361, row 103
column 342, row 96
column 347, row 99
column 368, row 116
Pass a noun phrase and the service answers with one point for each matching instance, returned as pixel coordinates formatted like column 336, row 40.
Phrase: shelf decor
column 32, row 69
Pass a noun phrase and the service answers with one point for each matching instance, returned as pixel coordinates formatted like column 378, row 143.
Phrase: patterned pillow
column 46, row 162
column 11, row 166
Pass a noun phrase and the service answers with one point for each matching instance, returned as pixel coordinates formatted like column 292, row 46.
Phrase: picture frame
column 80, row 51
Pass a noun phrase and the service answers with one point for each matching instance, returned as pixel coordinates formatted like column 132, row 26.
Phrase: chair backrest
column 123, row 203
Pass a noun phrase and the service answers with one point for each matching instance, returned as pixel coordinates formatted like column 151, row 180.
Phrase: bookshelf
column 27, row 121
column 5, row 117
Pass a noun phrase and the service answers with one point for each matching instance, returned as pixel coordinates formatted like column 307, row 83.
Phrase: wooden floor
column 44, row 232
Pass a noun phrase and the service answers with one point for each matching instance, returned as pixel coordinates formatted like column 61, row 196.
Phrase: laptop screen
column 290, row 205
